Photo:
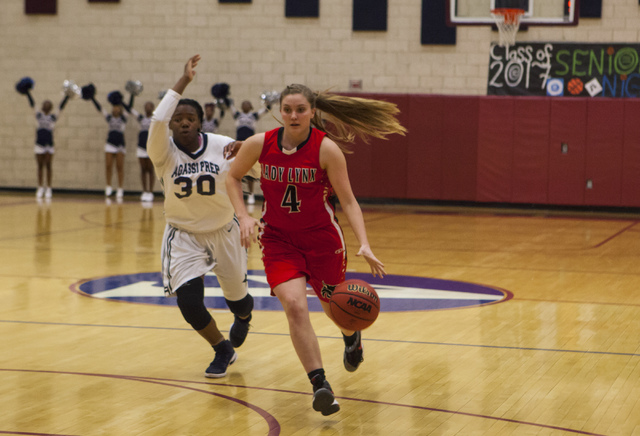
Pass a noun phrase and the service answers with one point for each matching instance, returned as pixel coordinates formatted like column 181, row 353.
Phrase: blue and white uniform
column 246, row 122
column 115, row 137
column 143, row 135
column 210, row 126
column 45, row 123
column 202, row 233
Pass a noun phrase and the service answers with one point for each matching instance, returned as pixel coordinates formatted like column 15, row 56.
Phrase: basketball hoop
column 508, row 22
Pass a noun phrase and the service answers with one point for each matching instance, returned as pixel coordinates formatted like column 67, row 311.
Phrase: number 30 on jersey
column 205, row 185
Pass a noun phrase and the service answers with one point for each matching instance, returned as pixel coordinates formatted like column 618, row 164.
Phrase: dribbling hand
column 377, row 267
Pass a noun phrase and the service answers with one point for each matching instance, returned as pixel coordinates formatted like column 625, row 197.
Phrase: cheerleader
column 115, row 146
column 246, row 127
column 146, row 167
column 210, row 123
column 45, row 123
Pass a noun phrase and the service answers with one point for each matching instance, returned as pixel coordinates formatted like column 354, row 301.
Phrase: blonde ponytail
column 346, row 118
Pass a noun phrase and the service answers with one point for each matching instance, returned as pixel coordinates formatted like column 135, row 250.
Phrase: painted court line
column 274, row 426
column 395, row 341
column 33, row 434
column 272, row 422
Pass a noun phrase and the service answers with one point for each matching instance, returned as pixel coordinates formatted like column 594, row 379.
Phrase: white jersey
column 143, row 134
column 46, row 121
column 116, row 124
column 246, row 122
column 210, row 126
column 195, row 194
column 142, row 119
column 44, row 128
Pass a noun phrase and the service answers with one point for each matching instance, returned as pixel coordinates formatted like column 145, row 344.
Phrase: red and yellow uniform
column 301, row 237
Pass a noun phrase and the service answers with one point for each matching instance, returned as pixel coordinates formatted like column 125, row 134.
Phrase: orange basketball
column 354, row 304
column 575, row 86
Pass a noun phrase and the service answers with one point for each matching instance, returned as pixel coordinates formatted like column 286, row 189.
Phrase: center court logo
column 397, row 293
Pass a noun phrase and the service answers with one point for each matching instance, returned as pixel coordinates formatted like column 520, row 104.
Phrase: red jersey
column 297, row 192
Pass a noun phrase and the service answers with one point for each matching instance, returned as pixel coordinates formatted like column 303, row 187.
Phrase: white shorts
column 43, row 149
column 186, row 256
column 142, row 153
column 110, row 148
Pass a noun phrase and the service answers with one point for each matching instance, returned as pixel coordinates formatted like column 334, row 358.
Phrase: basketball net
column 508, row 21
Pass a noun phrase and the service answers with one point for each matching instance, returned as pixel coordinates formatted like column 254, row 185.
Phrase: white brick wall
column 253, row 47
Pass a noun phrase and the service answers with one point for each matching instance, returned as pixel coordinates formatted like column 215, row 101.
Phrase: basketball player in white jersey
column 202, row 232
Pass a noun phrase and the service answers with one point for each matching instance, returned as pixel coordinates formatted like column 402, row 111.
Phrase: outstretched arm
column 31, row 102
column 334, row 163
column 262, row 111
column 137, row 115
column 158, row 144
column 234, row 111
column 96, row 104
column 188, row 75
column 63, row 102
column 130, row 105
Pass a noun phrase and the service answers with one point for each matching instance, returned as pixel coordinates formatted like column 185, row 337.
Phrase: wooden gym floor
column 558, row 355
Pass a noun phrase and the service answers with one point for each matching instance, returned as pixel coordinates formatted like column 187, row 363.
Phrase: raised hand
column 188, row 74
column 189, row 68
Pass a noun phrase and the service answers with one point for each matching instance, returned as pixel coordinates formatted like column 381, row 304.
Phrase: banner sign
column 565, row 70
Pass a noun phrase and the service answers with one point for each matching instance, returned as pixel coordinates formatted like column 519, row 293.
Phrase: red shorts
column 319, row 255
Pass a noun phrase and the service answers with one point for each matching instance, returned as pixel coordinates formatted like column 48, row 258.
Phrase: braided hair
column 194, row 104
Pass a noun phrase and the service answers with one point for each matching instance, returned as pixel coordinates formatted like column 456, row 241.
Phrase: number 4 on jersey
column 290, row 199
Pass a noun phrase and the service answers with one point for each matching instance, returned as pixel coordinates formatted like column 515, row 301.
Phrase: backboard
column 537, row 12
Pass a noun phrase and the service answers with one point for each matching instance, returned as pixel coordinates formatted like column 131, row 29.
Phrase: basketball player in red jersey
column 302, row 167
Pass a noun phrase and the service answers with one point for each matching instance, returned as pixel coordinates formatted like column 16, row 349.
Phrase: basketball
column 354, row 304
column 575, row 86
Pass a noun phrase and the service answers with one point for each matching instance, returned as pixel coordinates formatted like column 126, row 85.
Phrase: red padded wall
column 531, row 150
column 566, row 171
column 426, row 140
column 359, row 165
column 505, row 149
column 390, row 156
column 379, row 169
column 495, row 149
column 605, row 133
column 630, row 195
column 460, row 148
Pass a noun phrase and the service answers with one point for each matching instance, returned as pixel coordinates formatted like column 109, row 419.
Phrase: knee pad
column 242, row 307
column 191, row 304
